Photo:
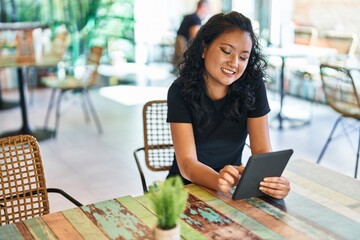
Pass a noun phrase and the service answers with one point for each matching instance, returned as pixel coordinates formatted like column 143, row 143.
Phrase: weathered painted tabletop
column 322, row 205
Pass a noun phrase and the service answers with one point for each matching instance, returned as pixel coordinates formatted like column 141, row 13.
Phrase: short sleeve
column 178, row 110
column 261, row 101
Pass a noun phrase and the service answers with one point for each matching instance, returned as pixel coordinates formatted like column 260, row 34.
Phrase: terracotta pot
column 169, row 234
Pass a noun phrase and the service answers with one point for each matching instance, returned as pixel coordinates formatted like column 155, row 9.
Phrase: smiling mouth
column 227, row 71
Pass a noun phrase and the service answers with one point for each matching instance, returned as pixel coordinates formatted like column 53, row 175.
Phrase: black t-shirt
column 187, row 22
column 222, row 141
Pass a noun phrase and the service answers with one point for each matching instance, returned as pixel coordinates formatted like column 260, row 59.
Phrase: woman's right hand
column 229, row 177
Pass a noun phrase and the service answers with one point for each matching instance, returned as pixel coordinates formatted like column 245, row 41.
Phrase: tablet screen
column 259, row 166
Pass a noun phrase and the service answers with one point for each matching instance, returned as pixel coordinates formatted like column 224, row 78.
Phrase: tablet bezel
column 258, row 167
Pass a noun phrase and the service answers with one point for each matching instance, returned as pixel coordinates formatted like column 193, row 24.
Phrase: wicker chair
column 23, row 192
column 306, row 35
column 342, row 96
column 344, row 42
column 158, row 148
column 76, row 85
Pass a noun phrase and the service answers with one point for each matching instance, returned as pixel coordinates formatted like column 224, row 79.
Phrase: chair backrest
column 92, row 64
column 23, row 191
column 344, row 42
column 158, row 147
column 340, row 90
column 306, row 35
column 60, row 44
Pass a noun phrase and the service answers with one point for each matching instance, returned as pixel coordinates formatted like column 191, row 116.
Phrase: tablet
column 259, row 166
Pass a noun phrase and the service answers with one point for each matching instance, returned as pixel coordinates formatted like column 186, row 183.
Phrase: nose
column 233, row 61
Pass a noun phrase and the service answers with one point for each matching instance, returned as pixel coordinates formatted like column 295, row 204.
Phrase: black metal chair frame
column 345, row 114
column 86, row 102
column 82, row 87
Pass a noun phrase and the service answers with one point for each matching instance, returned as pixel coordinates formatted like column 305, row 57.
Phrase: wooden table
column 322, row 205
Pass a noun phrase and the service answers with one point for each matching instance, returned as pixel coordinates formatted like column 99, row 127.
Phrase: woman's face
column 226, row 59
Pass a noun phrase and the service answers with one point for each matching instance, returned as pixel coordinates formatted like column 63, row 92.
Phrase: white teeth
column 227, row 70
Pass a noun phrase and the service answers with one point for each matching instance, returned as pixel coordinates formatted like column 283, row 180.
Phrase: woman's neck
column 216, row 91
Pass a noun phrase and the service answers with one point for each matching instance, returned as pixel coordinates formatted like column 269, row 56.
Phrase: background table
column 10, row 61
column 26, row 56
column 16, row 26
column 322, row 205
column 293, row 51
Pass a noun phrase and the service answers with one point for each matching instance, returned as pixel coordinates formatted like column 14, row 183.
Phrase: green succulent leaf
column 169, row 201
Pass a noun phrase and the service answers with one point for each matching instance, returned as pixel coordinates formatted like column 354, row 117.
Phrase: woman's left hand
column 276, row 187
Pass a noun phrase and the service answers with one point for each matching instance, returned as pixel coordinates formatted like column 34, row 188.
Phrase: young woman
column 217, row 101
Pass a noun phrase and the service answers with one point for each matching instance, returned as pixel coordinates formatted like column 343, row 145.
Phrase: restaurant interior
column 90, row 153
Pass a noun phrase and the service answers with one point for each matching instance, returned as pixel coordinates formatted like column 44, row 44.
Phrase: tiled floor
column 94, row 167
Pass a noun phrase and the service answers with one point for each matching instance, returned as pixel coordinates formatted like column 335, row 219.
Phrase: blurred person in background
column 189, row 26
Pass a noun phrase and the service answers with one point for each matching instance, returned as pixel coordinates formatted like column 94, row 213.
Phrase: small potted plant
column 169, row 201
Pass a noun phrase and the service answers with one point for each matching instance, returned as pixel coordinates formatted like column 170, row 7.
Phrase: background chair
column 304, row 72
column 23, row 192
column 342, row 96
column 158, row 148
column 305, row 35
column 343, row 42
column 54, row 50
column 80, row 86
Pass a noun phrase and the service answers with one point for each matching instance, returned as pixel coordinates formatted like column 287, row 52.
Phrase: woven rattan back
column 23, row 192
column 340, row 90
column 159, row 151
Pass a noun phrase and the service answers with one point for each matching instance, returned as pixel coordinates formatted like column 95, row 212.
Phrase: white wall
column 246, row 7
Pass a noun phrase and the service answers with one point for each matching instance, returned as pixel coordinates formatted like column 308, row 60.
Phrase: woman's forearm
column 202, row 175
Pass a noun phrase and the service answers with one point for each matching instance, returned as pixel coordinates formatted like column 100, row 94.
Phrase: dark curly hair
column 241, row 95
